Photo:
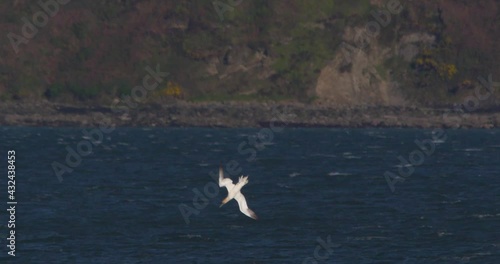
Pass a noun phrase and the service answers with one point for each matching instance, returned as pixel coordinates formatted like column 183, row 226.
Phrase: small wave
column 190, row 236
column 473, row 149
column 366, row 227
column 108, row 147
column 481, row 216
column 442, row 234
column 402, row 166
column 336, row 173
column 348, row 155
column 324, row 155
column 283, row 186
column 293, row 174
column 451, row 202
column 367, row 238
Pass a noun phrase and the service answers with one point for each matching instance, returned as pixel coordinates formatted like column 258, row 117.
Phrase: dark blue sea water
column 320, row 194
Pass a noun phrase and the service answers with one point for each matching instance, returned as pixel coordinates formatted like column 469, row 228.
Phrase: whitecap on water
column 349, row 155
column 283, row 186
column 481, row 216
column 91, row 139
column 473, row 149
column 190, row 236
column 106, row 147
column 451, row 202
column 401, row 165
column 293, row 174
column 324, row 155
column 442, row 233
column 336, row 173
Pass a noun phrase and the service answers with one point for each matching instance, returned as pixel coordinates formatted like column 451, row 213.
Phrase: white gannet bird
column 233, row 191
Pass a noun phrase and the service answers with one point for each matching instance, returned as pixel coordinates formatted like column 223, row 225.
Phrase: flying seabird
column 233, row 191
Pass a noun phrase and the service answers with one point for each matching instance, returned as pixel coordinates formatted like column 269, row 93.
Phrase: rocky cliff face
column 357, row 74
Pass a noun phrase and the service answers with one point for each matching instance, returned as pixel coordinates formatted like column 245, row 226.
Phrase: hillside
column 342, row 53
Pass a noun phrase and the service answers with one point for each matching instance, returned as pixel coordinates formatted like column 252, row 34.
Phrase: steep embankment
column 431, row 53
column 339, row 53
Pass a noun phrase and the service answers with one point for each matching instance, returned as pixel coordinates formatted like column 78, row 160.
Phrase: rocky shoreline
column 240, row 114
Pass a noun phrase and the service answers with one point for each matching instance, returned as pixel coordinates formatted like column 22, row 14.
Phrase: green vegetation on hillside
column 261, row 50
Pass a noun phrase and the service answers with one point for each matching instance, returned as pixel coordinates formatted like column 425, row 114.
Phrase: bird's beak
column 224, row 202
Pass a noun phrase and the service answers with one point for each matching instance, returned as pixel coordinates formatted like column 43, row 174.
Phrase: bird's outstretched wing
column 225, row 182
column 242, row 202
